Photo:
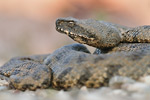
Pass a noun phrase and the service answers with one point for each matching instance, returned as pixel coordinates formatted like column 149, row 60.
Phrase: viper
column 122, row 51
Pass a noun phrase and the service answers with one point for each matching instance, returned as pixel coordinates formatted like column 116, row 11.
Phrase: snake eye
column 71, row 24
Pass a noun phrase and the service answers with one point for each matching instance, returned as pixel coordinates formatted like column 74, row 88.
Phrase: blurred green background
column 27, row 27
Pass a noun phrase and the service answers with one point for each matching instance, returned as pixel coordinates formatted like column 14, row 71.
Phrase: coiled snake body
column 123, row 51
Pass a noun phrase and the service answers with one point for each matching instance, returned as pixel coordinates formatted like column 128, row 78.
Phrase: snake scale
column 120, row 51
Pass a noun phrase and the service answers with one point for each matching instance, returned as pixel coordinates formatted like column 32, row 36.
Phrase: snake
column 121, row 51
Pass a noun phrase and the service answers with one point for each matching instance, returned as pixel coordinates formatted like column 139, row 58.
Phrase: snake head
column 89, row 31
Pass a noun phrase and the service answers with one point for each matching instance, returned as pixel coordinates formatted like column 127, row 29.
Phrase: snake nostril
column 58, row 22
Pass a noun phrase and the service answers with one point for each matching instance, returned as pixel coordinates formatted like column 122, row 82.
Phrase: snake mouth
column 77, row 37
column 72, row 34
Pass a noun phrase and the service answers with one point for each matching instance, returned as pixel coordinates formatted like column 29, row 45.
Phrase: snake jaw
column 77, row 37
column 74, row 36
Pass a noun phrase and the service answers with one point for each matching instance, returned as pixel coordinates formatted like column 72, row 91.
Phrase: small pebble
column 117, row 81
column 3, row 83
column 145, row 79
column 84, row 88
column 62, row 96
